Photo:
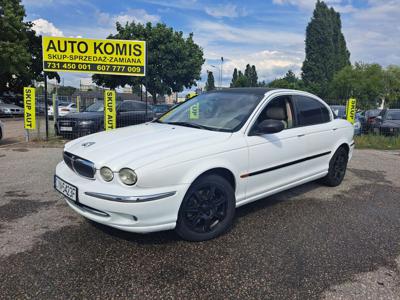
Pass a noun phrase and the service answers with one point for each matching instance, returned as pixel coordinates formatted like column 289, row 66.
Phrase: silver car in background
column 10, row 110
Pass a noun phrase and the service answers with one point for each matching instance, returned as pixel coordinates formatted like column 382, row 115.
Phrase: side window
column 127, row 106
column 310, row 111
column 279, row 108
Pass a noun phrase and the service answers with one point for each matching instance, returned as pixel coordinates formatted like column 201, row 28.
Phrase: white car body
column 62, row 110
column 167, row 160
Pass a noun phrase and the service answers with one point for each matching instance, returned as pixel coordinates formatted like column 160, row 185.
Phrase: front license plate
column 63, row 128
column 68, row 190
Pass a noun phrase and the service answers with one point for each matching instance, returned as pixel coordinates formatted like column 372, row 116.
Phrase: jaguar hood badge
column 88, row 144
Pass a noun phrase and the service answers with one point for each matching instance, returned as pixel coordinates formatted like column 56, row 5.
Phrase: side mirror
column 270, row 126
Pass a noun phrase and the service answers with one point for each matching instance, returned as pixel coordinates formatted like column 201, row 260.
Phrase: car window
column 310, row 111
column 393, row 115
column 139, row 106
column 279, row 108
column 73, row 105
column 127, row 106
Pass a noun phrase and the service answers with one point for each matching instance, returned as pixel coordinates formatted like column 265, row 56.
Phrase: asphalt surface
column 312, row 242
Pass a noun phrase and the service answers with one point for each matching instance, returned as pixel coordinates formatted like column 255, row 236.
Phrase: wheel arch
column 221, row 171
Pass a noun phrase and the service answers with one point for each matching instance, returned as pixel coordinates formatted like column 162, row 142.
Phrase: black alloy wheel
column 207, row 209
column 337, row 168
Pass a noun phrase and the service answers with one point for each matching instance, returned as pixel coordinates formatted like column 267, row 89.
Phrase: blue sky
column 269, row 33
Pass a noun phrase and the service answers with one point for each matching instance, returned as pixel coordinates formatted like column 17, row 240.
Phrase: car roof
column 253, row 90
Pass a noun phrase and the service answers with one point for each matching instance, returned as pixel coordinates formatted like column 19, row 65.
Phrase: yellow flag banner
column 351, row 110
column 110, row 111
column 29, row 108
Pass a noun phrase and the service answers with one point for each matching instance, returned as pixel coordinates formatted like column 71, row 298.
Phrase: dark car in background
column 370, row 119
column 160, row 109
column 91, row 120
column 388, row 122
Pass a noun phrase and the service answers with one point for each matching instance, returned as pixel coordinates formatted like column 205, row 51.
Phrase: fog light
column 127, row 176
column 107, row 174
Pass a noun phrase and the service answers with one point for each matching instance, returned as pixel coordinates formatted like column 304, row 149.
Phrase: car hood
column 3, row 105
column 83, row 116
column 139, row 145
column 391, row 123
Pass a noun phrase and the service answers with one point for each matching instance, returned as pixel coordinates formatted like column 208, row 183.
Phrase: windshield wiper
column 188, row 124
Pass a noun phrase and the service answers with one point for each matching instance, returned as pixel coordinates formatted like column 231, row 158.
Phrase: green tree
column 173, row 61
column 365, row 82
column 65, row 91
column 289, row 81
column 210, row 85
column 253, row 76
column 234, row 77
column 326, row 50
column 20, row 49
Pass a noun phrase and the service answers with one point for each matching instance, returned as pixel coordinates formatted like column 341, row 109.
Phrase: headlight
column 127, row 176
column 85, row 122
column 106, row 173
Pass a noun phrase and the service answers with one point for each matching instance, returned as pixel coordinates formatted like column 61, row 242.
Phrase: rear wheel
column 337, row 168
column 207, row 210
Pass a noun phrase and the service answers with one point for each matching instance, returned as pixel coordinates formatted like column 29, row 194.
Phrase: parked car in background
column 64, row 108
column 1, row 130
column 370, row 119
column 388, row 122
column 10, row 110
column 340, row 112
column 191, row 168
column 91, row 120
column 160, row 109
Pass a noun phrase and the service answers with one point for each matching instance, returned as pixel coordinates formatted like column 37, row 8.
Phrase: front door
column 275, row 159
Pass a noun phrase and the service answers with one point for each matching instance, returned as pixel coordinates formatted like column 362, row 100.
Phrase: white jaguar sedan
column 194, row 165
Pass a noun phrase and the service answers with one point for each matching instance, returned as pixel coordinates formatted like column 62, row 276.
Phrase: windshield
column 97, row 106
column 393, row 115
column 339, row 111
column 226, row 111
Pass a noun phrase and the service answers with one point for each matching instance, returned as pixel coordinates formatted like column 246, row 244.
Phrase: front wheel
column 207, row 210
column 337, row 168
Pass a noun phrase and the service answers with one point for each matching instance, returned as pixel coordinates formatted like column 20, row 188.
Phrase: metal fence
column 75, row 116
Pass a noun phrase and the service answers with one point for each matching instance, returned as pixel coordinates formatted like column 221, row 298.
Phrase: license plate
column 63, row 128
column 68, row 190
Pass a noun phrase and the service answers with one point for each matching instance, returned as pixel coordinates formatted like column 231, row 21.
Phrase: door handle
column 300, row 135
column 334, row 129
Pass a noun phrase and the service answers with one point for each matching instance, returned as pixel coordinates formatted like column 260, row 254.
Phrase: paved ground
column 311, row 242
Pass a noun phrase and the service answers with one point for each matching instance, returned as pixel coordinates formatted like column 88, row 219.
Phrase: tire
column 207, row 210
column 337, row 168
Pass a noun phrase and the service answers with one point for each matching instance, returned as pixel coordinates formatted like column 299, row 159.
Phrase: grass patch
column 379, row 142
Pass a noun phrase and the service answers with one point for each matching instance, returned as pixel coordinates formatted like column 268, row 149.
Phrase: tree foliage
column 248, row 79
column 173, row 61
column 326, row 50
column 368, row 83
column 289, row 81
column 20, row 49
column 210, row 84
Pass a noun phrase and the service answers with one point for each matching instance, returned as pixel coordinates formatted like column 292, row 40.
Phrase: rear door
column 315, row 118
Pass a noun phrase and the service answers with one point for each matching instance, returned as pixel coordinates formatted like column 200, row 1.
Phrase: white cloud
column 44, row 27
column 373, row 33
column 130, row 15
column 269, row 64
column 342, row 6
column 227, row 10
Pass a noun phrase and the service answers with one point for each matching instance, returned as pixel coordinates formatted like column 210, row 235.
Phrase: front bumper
column 134, row 216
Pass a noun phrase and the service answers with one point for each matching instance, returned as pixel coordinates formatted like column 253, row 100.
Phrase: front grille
column 80, row 165
column 66, row 123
